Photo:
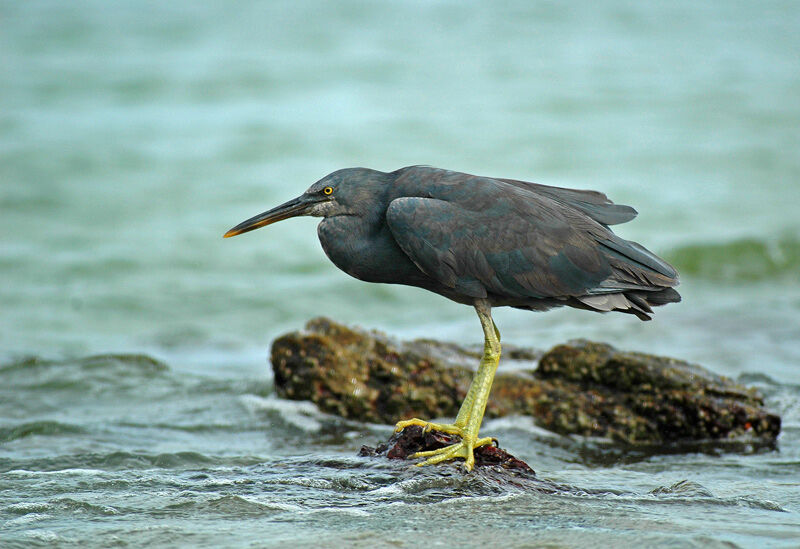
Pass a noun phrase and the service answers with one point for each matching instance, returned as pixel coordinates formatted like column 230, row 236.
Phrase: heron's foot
column 449, row 428
column 463, row 449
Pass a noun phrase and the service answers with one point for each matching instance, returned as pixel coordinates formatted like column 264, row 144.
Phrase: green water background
column 132, row 135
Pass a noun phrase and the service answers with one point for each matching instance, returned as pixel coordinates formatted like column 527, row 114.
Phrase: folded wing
column 520, row 243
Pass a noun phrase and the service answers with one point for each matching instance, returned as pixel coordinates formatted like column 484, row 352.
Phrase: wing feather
column 508, row 247
column 531, row 245
column 593, row 203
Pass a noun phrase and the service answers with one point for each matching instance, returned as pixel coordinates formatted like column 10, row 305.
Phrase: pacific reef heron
column 481, row 241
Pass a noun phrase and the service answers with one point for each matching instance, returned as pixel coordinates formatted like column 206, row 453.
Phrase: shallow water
column 132, row 136
column 125, row 450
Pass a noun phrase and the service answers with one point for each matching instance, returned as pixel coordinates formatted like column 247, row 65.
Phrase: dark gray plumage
column 462, row 236
column 485, row 242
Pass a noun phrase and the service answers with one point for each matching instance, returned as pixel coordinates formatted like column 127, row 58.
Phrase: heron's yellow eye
column 327, row 190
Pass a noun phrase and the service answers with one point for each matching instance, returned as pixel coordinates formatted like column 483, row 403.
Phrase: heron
column 485, row 242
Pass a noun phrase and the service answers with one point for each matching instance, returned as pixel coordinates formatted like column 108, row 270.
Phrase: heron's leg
column 479, row 380
column 467, row 406
column 455, row 428
column 470, row 416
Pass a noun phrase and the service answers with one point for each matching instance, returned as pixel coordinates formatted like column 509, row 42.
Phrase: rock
column 641, row 398
column 496, row 471
column 581, row 388
column 413, row 439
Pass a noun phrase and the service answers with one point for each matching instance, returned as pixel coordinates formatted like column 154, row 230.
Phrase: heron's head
column 344, row 192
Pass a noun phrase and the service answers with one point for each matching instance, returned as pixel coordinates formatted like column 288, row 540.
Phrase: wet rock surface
column 579, row 388
column 413, row 439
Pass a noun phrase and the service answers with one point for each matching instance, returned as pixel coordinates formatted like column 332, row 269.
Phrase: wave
column 36, row 372
column 64, row 504
column 112, row 371
column 126, row 364
column 742, row 260
column 91, row 375
column 46, row 428
column 240, row 505
column 686, row 491
column 93, row 463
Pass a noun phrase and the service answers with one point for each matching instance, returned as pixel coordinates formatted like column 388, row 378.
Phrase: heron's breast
column 366, row 253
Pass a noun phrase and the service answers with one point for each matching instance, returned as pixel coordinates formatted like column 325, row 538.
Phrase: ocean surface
column 136, row 399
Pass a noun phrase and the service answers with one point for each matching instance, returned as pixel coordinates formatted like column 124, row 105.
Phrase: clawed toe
column 457, row 450
column 428, row 426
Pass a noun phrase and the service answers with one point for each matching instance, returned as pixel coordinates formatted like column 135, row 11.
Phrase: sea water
column 136, row 398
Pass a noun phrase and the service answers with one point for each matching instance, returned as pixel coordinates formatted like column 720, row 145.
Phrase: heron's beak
column 293, row 208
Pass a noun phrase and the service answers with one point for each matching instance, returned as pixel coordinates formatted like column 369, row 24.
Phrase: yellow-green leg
column 470, row 415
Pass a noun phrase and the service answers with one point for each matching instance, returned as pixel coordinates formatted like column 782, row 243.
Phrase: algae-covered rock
column 638, row 397
column 581, row 388
column 366, row 377
column 413, row 439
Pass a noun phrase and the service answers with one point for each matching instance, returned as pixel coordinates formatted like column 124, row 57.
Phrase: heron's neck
column 361, row 247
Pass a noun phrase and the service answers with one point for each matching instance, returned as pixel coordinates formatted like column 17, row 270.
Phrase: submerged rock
column 414, row 439
column 580, row 388
column 496, row 471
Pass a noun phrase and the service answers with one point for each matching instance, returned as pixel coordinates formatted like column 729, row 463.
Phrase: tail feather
column 637, row 302
column 639, row 261
column 660, row 297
